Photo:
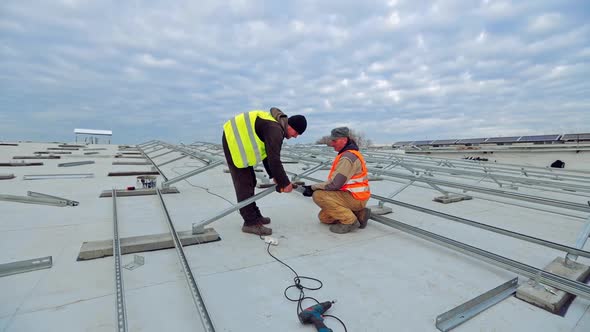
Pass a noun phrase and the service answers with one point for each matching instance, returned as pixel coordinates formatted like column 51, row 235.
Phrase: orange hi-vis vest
column 358, row 184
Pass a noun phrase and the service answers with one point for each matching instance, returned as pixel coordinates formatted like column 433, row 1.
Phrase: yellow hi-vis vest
column 245, row 146
column 358, row 184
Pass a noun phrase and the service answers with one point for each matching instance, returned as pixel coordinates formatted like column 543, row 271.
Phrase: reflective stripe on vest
column 358, row 184
column 245, row 146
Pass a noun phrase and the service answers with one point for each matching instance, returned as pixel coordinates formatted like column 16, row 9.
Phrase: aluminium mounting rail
column 457, row 165
column 25, row 266
column 490, row 191
column 121, row 311
column 467, row 187
column 192, row 283
column 486, row 198
column 153, row 164
column 199, row 227
column 548, row 171
column 547, row 278
column 181, row 177
column 462, row 313
column 168, row 182
column 549, row 244
column 485, row 190
column 61, row 199
column 478, row 173
column 38, row 198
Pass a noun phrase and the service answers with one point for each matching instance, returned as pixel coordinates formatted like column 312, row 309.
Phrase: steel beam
column 172, row 160
column 459, row 315
column 154, row 164
column 549, row 244
column 121, row 311
column 57, row 176
column 192, row 283
column 167, row 184
column 199, row 227
column 40, row 195
column 25, row 266
column 551, row 279
column 76, row 163
column 163, row 154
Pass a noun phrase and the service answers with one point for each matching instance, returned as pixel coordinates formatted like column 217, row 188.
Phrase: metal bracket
column 137, row 262
column 458, row 315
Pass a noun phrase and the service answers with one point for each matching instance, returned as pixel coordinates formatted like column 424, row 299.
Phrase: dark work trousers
column 244, row 183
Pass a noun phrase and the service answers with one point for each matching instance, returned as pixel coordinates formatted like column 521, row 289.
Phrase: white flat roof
column 93, row 132
column 383, row 279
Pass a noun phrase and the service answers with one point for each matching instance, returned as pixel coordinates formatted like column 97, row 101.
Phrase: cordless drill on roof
column 313, row 315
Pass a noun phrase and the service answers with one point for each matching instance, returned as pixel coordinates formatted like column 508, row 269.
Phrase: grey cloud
column 393, row 69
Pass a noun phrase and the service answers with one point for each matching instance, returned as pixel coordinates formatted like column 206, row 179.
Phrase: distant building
column 91, row 136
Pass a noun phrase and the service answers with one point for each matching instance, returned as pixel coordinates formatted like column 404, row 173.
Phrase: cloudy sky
column 394, row 70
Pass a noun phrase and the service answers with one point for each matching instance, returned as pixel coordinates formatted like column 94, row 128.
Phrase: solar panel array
column 539, row 138
column 576, row 137
column 445, row 141
column 506, row 139
column 471, row 140
column 510, row 139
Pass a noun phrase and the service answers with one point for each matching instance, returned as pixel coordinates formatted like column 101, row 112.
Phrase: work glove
column 307, row 191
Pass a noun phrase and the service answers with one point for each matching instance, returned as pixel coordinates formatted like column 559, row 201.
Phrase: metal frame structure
column 208, row 152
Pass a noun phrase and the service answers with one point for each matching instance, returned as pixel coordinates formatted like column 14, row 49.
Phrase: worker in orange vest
column 343, row 198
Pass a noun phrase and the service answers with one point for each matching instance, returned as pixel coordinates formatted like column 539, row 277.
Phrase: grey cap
column 340, row 132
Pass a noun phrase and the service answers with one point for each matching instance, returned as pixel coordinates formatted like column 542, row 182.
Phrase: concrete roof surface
column 382, row 279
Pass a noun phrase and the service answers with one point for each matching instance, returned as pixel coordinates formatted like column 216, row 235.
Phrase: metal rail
column 26, row 266
column 153, row 163
column 192, row 283
column 464, row 312
column 41, row 195
column 120, row 296
column 468, row 187
column 549, row 244
column 191, row 173
column 554, row 280
column 199, row 227
column 495, row 192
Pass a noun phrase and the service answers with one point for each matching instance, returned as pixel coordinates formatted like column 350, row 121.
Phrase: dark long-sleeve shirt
column 272, row 134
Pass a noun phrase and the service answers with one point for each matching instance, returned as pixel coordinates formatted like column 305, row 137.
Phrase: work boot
column 257, row 229
column 263, row 220
column 344, row 228
column 363, row 217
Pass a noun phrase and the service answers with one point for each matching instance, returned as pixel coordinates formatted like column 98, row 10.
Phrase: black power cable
column 297, row 284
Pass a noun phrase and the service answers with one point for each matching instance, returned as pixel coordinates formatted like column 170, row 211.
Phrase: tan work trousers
column 337, row 206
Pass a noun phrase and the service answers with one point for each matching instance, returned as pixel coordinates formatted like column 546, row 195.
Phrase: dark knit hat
column 339, row 133
column 298, row 123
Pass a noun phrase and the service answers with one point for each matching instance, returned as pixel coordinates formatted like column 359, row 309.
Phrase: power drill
column 313, row 315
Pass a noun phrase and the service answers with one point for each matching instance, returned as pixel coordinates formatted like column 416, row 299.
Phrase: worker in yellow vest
column 256, row 137
column 343, row 198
